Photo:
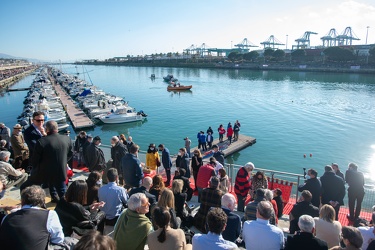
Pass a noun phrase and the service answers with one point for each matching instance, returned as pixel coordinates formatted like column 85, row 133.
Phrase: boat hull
column 120, row 118
column 179, row 88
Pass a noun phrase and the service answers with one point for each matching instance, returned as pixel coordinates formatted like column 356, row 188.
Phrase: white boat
column 122, row 115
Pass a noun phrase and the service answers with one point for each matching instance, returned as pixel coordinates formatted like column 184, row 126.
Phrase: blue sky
column 83, row 29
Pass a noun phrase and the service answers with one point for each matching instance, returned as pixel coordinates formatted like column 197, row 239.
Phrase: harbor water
column 326, row 117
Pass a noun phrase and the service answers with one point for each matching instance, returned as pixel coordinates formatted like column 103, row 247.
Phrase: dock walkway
column 229, row 149
column 78, row 118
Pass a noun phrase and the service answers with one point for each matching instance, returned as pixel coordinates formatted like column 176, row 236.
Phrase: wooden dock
column 78, row 118
column 228, row 149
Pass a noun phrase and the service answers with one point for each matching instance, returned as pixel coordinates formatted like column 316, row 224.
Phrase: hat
column 17, row 126
column 152, row 145
column 97, row 138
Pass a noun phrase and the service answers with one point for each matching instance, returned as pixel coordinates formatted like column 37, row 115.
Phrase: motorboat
column 122, row 114
column 170, row 78
column 178, row 87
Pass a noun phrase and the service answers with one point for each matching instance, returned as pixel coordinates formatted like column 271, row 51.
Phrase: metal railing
column 296, row 179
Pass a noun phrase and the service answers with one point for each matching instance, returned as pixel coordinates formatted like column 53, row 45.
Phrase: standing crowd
column 144, row 206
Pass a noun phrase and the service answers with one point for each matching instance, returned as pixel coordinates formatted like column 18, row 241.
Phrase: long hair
column 77, row 192
column 327, row 213
column 166, row 198
column 94, row 176
column 157, row 182
column 162, row 218
column 177, row 186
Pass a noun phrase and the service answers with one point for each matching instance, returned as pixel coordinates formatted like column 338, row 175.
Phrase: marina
column 77, row 117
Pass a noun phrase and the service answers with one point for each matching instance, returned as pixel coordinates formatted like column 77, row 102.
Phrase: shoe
column 349, row 217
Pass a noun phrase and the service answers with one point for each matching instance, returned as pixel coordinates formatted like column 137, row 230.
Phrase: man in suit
column 233, row 228
column 167, row 163
column 333, row 187
column 305, row 239
column 35, row 131
column 50, row 158
column 118, row 150
column 356, row 190
column 95, row 160
column 313, row 185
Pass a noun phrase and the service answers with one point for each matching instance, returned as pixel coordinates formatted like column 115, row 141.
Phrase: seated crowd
column 138, row 210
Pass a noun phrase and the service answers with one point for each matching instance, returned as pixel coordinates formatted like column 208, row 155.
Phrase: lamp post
column 286, row 44
column 367, row 33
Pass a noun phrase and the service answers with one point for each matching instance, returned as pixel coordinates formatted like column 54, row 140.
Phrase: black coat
column 333, row 188
column 233, row 228
column 305, row 241
column 117, row 152
column 51, row 154
column 219, row 156
column 315, row 187
column 299, row 209
column 94, row 158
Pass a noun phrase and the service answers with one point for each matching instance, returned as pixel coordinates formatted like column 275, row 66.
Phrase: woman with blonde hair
column 179, row 198
column 152, row 157
column 166, row 200
column 326, row 228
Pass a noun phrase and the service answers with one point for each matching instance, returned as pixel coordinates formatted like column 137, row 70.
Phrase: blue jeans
column 57, row 189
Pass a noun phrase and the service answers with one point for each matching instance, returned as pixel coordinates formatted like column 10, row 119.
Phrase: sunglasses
column 41, row 120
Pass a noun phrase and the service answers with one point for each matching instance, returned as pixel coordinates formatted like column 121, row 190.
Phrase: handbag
column 158, row 163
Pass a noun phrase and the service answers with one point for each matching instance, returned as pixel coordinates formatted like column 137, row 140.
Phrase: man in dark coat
column 313, row 185
column 356, row 190
column 333, row 189
column 233, row 229
column 303, row 206
column 219, row 155
column 336, row 169
column 131, row 168
column 34, row 132
column 50, row 158
column 167, row 162
column 118, row 151
column 95, row 160
column 305, row 239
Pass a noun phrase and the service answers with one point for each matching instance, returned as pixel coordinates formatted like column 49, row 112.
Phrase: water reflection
column 122, row 128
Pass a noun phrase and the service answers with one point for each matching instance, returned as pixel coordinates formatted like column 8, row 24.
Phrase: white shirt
column 259, row 234
column 367, row 234
column 217, row 167
column 53, row 225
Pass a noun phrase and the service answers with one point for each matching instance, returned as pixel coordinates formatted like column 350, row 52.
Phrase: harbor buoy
column 310, row 155
column 304, row 156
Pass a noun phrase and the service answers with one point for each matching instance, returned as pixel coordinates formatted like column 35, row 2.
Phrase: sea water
column 329, row 116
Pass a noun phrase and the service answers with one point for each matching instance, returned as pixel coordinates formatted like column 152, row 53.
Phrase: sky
column 97, row 29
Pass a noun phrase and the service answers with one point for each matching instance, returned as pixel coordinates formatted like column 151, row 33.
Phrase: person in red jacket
column 204, row 175
column 242, row 184
column 230, row 134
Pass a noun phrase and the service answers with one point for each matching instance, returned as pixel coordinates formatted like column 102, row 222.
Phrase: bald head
column 147, row 182
column 52, row 127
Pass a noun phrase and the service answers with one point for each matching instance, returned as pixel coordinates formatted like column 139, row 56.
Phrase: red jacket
column 204, row 175
column 230, row 131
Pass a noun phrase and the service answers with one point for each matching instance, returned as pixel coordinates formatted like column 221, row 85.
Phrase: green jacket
column 131, row 230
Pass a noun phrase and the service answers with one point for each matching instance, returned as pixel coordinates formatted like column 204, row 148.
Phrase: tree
column 268, row 52
column 251, row 56
column 338, row 54
column 278, row 54
column 233, row 56
column 298, row 55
